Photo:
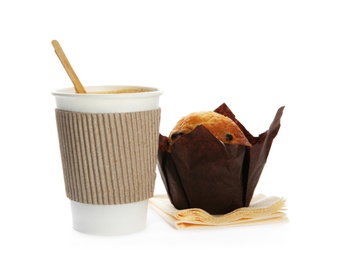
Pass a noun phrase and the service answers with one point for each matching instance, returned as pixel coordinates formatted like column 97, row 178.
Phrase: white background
column 253, row 55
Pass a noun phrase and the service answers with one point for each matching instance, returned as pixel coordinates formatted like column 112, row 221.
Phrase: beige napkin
column 262, row 209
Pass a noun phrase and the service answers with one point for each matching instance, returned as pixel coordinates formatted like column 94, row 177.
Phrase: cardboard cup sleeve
column 108, row 158
column 202, row 172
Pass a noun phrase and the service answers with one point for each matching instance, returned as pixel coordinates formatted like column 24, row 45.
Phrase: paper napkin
column 262, row 209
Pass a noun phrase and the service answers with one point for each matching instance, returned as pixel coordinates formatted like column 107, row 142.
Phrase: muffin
column 222, row 127
column 210, row 161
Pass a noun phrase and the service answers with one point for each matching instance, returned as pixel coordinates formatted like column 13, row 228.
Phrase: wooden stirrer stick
column 62, row 57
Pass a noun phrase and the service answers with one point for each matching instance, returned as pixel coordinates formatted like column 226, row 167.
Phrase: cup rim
column 70, row 92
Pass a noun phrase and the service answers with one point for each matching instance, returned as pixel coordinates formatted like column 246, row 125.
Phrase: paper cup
column 108, row 144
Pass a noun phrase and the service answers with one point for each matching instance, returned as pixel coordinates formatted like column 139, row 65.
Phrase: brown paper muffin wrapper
column 202, row 172
column 108, row 158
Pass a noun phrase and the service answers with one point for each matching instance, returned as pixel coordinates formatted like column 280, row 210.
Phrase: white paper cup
column 116, row 218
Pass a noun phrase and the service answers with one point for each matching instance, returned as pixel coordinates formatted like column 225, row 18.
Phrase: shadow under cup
column 108, row 142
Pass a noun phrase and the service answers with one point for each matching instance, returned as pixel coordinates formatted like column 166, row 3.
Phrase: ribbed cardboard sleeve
column 108, row 158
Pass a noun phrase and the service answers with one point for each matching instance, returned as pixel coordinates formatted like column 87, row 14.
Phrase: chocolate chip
column 229, row 137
